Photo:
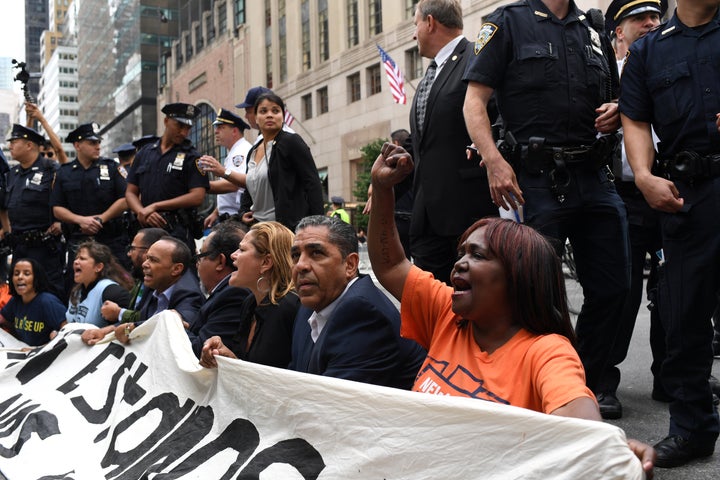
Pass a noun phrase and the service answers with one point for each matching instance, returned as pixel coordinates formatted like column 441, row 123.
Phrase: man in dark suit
column 220, row 315
column 346, row 328
column 170, row 285
column 451, row 192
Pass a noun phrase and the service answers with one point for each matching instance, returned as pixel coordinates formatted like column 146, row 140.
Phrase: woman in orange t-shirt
column 502, row 331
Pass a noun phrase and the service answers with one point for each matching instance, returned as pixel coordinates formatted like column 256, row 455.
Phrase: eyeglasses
column 202, row 255
column 130, row 248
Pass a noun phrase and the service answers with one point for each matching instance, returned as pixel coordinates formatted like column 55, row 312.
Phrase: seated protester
column 263, row 266
column 220, row 315
column 170, row 285
column 98, row 278
column 32, row 313
column 504, row 322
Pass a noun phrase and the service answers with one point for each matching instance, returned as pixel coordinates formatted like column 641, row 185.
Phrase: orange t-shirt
column 538, row 372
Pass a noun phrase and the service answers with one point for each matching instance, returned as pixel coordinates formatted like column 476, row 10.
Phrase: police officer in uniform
column 126, row 155
column 671, row 80
column 165, row 182
column 35, row 232
column 89, row 198
column 551, row 70
column 625, row 22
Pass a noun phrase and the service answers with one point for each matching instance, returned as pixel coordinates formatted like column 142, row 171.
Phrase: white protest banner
column 8, row 341
column 147, row 410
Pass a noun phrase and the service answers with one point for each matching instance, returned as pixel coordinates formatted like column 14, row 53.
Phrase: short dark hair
column 181, row 252
column 535, row 282
column 399, row 136
column 340, row 234
column 446, row 12
column 40, row 278
column 151, row 235
column 228, row 236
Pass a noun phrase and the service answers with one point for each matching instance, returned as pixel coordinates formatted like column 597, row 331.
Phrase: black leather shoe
column 674, row 451
column 610, row 406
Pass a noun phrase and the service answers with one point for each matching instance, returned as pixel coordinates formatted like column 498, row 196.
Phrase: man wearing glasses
column 89, row 198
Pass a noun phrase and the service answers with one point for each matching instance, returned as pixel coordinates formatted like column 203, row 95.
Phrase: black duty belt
column 690, row 166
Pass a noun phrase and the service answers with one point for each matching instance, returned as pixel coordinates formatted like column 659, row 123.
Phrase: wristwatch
column 227, row 173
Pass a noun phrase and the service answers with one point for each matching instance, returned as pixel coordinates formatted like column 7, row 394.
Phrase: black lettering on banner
column 295, row 452
column 113, row 349
column 42, row 423
column 241, row 435
column 40, row 362
column 62, row 476
column 132, row 392
column 172, row 413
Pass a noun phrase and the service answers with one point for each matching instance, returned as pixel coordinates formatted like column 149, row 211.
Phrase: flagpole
column 299, row 124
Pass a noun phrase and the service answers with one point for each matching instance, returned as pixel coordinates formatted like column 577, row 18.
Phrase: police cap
column 226, row 117
column 144, row 140
column 26, row 133
column 337, row 200
column 182, row 112
column 252, row 96
column 619, row 10
column 125, row 149
column 86, row 131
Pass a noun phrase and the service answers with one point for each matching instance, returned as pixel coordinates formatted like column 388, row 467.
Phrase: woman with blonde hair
column 264, row 266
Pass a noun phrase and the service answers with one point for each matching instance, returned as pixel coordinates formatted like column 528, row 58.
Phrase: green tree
column 369, row 153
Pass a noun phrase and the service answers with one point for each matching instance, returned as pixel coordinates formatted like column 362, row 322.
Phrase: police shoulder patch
column 197, row 165
column 487, row 30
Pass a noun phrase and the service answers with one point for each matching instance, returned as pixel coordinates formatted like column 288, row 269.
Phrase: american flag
column 394, row 76
column 289, row 119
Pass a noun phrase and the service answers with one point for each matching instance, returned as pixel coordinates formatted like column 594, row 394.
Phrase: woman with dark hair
column 282, row 180
column 32, row 313
column 98, row 277
column 502, row 331
column 267, row 317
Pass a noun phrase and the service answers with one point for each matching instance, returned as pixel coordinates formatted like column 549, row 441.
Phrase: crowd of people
column 527, row 118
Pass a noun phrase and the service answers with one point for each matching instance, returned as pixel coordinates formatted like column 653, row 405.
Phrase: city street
column 643, row 418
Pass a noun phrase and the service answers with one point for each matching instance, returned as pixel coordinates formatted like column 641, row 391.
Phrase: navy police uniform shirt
column 88, row 191
column 28, row 195
column 549, row 75
column 162, row 177
column 675, row 85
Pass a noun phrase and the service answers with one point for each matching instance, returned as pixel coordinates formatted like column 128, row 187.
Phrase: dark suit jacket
column 361, row 341
column 294, row 180
column 219, row 315
column 450, row 190
column 186, row 298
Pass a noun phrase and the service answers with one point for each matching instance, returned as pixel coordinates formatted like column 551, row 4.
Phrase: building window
column 282, row 32
column 324, row 49
column 322, row 100
column 305, row 29
column 353, row 29
column 353, row 86
column 410, row 8
column 178, row 55
column 375, row 16
column 373, row 80
column 306, row 101
column 188, row 47
column 222, row 18
column 163, row 70
column 199, row 44
column 413, row 64
column 268, row 45
column 209, row 28
column 239, row 12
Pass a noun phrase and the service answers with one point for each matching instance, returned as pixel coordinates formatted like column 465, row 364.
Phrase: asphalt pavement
column 643, row 418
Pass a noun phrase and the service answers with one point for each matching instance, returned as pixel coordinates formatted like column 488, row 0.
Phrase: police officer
column 671, row 80
column 165, row 182
column 35, row 232
column 89, row 198
column 625, row 22
column 554, row 95
column 337, row 210
column 229, row 183
column 126, row 155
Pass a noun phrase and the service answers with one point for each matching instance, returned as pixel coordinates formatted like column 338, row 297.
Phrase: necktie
column 423, row 93
column 157, row 304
